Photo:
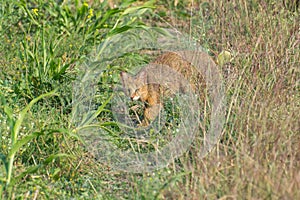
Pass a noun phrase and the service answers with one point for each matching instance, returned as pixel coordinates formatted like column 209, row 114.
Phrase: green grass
column 43, row 45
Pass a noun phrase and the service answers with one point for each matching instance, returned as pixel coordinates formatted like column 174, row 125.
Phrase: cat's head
column 135, row 86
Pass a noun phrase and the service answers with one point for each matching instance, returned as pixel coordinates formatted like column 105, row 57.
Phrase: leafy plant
column 16, row 144
column 58, row 35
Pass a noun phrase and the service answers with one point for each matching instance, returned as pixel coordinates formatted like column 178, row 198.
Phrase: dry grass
column 258, row 157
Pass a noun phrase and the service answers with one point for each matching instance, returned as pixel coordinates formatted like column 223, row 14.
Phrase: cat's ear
column 142, row 77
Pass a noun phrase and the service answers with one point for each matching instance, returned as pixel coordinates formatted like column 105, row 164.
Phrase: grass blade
column 24, row 112
column 23, row 141
column 88, row 119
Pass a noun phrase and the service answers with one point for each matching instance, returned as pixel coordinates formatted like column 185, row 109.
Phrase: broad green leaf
column 93, row 116
column 109, row 130
column 54, row 156
column 131, row 10
column 24, row 112
column 107, row 15
column 23, row 141
column 119, row 30
column 63, row 70
column 29, row 170
column 8, row 111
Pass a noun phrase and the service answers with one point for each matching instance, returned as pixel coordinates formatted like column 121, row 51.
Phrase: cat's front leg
column 150, row 113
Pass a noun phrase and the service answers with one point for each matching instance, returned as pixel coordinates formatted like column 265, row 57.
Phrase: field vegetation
column 42, row 45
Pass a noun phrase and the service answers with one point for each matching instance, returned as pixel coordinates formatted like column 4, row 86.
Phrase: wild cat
column 143, row 86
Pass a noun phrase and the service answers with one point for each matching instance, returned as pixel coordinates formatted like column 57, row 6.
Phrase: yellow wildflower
column 35, row 11
column 85, row 4
column 91, row 13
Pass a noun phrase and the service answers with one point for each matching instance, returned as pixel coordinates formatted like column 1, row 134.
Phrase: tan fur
column 141, row 87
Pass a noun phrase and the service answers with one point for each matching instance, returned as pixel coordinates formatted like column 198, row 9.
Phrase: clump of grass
column 258, row 155
column 39, row 54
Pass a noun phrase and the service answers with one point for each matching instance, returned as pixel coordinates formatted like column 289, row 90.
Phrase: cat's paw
column 135, row 107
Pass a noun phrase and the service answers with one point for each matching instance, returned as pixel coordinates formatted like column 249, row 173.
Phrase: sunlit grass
column 258, row 154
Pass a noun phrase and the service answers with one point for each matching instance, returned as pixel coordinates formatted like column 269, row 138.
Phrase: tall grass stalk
column 15, row 129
